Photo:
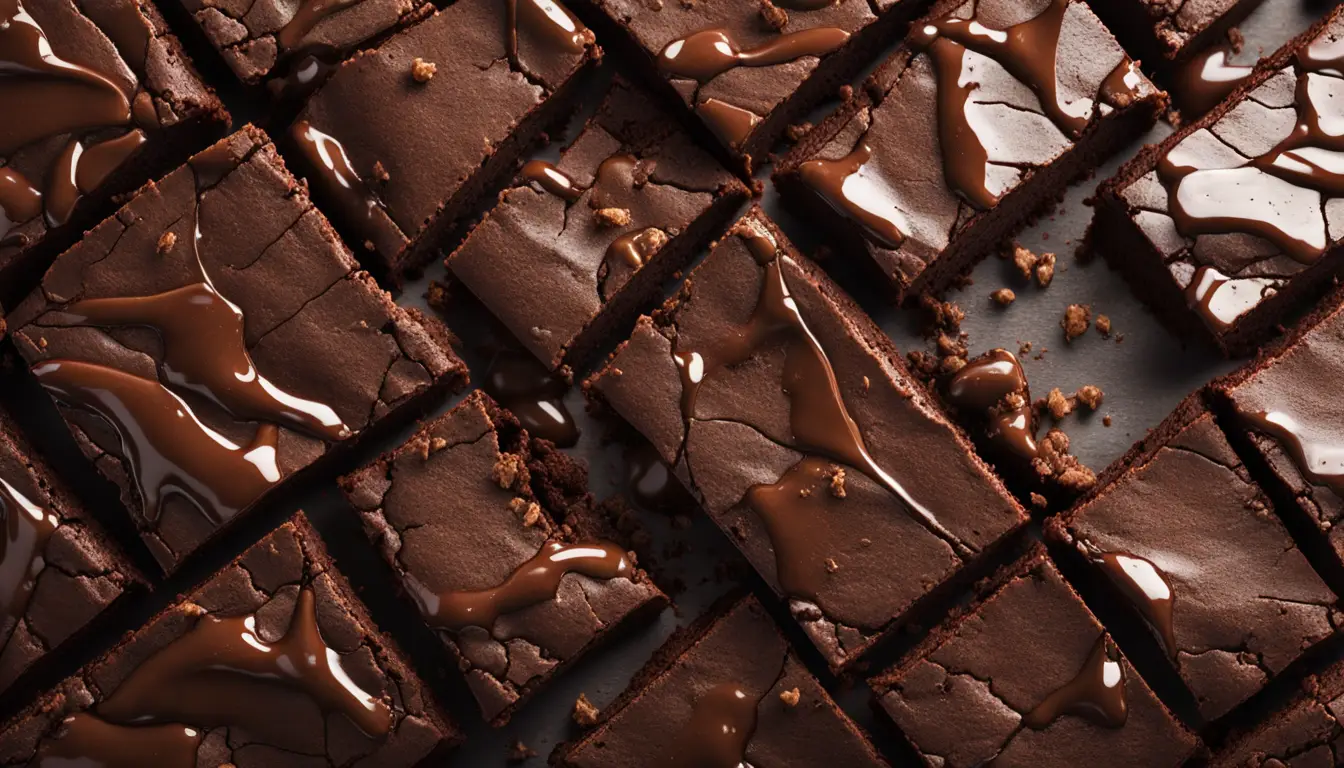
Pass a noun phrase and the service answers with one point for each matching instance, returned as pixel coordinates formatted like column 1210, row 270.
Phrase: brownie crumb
column 1045, row 270
column 509, row 471
column 1024, row 348
column 797, row 131
column 1054, row 461
column 942, row 315
column 1103, row 326
column 775, row 17
column 951, row 346
column 1038, row 501
column 846, row 93
column 1058, row 405
column 192, row 609
column 1090, row 396
column 951, row 364
column 166, row 242
column 1077, row 319
column 529, row 511
column 520, row 752
column 1024, row 260
column 380, row 173
column 831, row 565
column 1003, row 297
column 1106, row 420
column 1236, row 39
column 585, row 714
column 613, row 217
column 437, row 444
column 423, row 70
column 838, row 483
column 790, row 697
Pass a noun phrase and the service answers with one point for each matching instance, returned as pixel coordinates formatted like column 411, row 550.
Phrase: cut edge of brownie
column 1136, row 31
column 1039, row 189
column 1129, row 252
column 1320, row 688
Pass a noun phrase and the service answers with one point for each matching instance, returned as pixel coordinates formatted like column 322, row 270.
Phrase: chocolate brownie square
column 629, row 203
column 516, row 586
column 750, row 69
column 99, row 98
column 58, row 570
column 980, row 119
column 725, row 691
column 1166, row 34
column 404, row 140
column 272, row 661
column 214, row 338
column 786, row 412
column 1189, row 546
column 1308, row 732
column 1228, row 227
column 1026, row 676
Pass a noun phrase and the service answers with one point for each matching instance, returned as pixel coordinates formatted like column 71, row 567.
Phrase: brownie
column 1284, row 415
column 515, row 587
column 925, row 175
column 725, row 691
column 272, row 661
column 58, row 570
column 102, row 98
column 630, row 201
column 1165, row 34
column 214, row 338
column 1308, row 732
column 750, row 69
column 1027, row 676
column 785, row 411
column 1181, row 538
column 404, row 140
column 1223, row 228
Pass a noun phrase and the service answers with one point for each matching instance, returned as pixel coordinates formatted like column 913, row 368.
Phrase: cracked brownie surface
column 986, row 112
column 1222, row 227
column 201, row 358
column 401, row 152
column 1194, row 547
column 516, row 584
column 626, row 205
column 1028, row 677
column 58, row 570
column 103, row 98
column 725, row 691
column 1307, row 733
column 272, row 661
column 784, row 410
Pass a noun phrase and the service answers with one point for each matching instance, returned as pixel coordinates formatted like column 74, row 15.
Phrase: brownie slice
column 214, row 338
column 750, row 69
column 1181, row 537
column 628, row 204
column 1226, row 228
column 101, row 98
column 1286, row 419
column 1026, row 676
column 785, row 411
column 925, row 175
column 272, row 661
column 514, row 585
column 58, row 570
column 1166, row 34
column 403, row 141
column 725, row 691
column 1306, row 733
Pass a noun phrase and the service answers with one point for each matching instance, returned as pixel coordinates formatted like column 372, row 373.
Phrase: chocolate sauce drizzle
column 704, row 55
column 1277, row 195
column 535, row 581
column 79, row 170
column 19, row 202
column 536, row 396
column 1028, row 51
column 216, row 676
column 83, row 739
column 1204, row 81
column 23, row 541
column 820, row 422
column 723, row 720
column 552, row 180
column 1147, row 588
column 308, row 15
column 650, row 483
column 1220, row 299
column 732, row 124
column 1321, row 462
column 359, row 202
column 547, row 21
column 995, row 386
column 1097, row 692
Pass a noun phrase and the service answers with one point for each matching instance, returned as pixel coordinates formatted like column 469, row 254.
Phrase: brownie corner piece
column 1220, row 228
column 630, row 201
column 1189, row 546
column 1305, row 731
column 61, row 570
column 403, row 141
column 725, row 691
column 120, row 102
column 786, row 413
column 922, row 176
column 257, row 347
column 1064, row 696
column 499, row 559
column 272, row 660
column 1165, row 35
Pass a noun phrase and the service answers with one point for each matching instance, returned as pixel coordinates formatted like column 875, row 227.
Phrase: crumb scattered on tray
column 585, row 714
column 1077, row 318
column 520, row 752
column 1106, row 420
column 1038, row 501
column 775, row 17
column 1024, row 260
column 1045, row 270
column 1058, row 405
column 1103, row 325
column 1090, row 396
column 1003, row 297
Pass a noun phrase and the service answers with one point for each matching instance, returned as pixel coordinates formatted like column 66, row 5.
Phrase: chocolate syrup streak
column 1277, row 195
column 1204, row 81
column 25, row 529
column 358, row 201
column 308, row 15
column 1321, row 462
column 820, row 422
column 723, row 720
column 80, row 169
column 535, row 581
column 19, row 202
column 731, row 124
column 1148, row 590
column 548, row 22
column 704, row 55
column 552, row 180
column 1220, row 299
column 536, row 396
column 994, row 387
column 862, row 197
column 218, row 675
column 1096, row 693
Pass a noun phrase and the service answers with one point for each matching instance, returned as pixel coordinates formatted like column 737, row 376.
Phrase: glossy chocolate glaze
column 536, row 396
column 722, row 722
column 551, row 179
column 994, row 387
column 23, row 540
column 1096, row 693
column 356, row 198
column 1207, row 78
column 709, row 53
column 1146, row 587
